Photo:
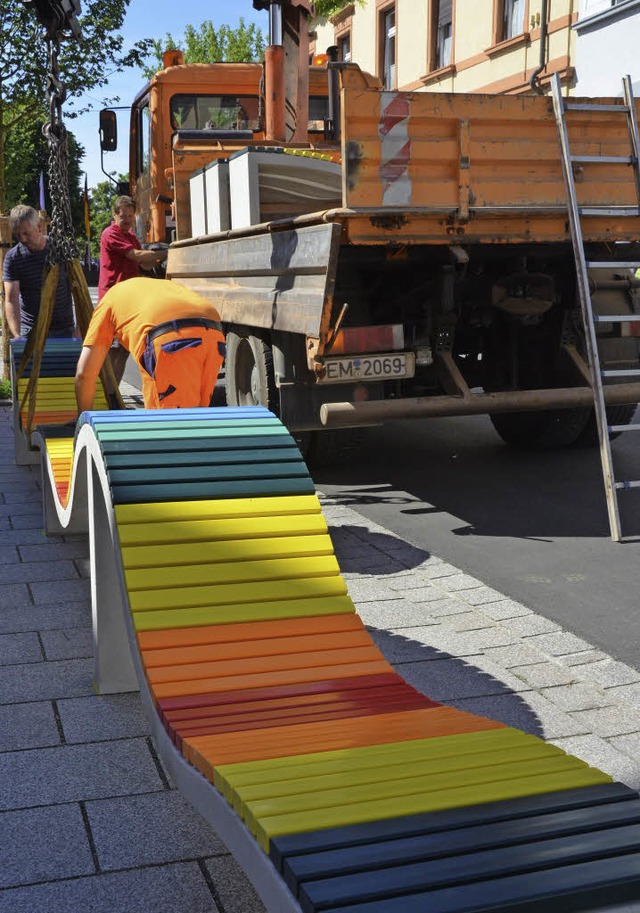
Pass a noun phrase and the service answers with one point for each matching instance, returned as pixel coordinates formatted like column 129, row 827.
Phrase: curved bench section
column 338, row 786
column 55, row 393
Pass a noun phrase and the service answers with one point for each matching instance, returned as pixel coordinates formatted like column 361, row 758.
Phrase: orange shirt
column 130, row 309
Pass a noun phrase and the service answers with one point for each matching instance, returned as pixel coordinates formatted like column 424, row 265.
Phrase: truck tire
column 616, row 415
column 547, row 430
column 250, row 379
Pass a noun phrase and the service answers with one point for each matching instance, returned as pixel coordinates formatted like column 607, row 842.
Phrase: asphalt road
column 532, row 525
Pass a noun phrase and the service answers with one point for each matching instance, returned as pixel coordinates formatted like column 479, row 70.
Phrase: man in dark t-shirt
column 23, row 274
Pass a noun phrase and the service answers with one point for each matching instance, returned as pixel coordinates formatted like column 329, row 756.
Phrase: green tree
column 208, row 44
column 327, row 8
column 85, row 65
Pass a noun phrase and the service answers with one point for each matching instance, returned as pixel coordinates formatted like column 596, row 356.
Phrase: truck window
column 142, row 138
column 318, row 110
column 214, row 112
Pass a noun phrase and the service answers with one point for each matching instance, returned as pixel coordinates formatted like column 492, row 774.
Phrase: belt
column 183, row 323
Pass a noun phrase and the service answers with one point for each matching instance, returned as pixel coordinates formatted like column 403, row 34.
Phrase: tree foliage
column 327, row 8
column 208, row 44
column 85, row 65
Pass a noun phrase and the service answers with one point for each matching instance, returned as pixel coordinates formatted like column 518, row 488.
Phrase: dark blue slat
column 433, row 822
column 428, row 847
column 186, row 491
column 469, row 868
column 181, row 444
column 566, row 889
column 176, row 475
column 133, row 461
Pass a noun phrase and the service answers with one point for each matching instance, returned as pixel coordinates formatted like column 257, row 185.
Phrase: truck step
column 615, row 264
column 598, row 109
column 626, row 484
column 619, row 429
column 621, row 372
column 605, row 159
column 619, row 318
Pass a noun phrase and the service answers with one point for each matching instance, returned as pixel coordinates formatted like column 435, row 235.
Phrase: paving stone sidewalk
column 88, row 818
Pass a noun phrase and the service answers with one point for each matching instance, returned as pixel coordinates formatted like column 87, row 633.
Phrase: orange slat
column 258, row 664
column 208, row 653
column 171, row 638
column 207, row 752
column 260, row 679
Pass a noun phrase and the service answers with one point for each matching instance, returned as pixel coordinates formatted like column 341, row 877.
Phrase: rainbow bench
column 55, row 394
column 338, row 786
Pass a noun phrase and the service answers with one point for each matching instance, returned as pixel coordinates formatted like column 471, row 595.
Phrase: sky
column 148, row 19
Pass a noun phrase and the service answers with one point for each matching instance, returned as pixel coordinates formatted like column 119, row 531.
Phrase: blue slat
column 432, row 846
column 434, row 822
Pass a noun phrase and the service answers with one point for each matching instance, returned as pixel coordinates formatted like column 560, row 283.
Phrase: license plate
column 368, row 368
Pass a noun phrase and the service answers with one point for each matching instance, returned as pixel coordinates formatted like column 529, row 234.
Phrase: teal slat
column 186, row 491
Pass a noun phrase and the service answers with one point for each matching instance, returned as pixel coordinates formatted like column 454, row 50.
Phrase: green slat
column 185, row 426
column 179, row 434
column 185, row 491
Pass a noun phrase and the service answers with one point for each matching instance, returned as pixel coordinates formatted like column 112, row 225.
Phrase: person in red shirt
column 173, row 334
column 121, row 257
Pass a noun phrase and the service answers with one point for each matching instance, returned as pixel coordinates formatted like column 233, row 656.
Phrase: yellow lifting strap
column 38, row 335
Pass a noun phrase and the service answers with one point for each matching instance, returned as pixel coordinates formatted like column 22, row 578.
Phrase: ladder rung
column 612, row 264
column 624, row 212
column 627, row 484
column 605, row 159
column 605, row 109
column 622, row 318
column 621, row 372
column 613, row 429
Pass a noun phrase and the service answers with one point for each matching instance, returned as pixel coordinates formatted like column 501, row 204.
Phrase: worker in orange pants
column 173, row 334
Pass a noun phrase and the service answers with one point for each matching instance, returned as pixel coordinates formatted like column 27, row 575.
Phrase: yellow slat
column 198, row 530
column 526, row 783
column 220, row 509
column 232, row 572
column 150, row 620
column 358, row 786
column 229, row 777
column 234, row 550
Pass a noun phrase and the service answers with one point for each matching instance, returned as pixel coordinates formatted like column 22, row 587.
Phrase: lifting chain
column 62, row 245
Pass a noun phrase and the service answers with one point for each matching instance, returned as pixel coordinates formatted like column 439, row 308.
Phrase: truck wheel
column 616, row 415
column 541, row 430
column 249, row 373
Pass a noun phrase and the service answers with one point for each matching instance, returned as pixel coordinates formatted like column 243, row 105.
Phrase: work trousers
column 180, row 368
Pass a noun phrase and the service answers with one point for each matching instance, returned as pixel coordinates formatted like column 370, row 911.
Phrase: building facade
column 495, row 46
column 607, row 46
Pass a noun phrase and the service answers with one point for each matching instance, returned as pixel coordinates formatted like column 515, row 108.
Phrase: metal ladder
column 561, row 106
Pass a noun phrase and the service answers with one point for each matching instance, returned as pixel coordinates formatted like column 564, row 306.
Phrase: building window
column 441, row 34
column 388, row 47
column 512, row 19
column 344, row 48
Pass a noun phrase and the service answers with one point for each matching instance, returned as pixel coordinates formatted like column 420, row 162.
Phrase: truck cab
column 200, row 103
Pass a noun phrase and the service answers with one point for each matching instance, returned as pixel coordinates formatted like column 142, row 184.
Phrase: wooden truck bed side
column 476, row 167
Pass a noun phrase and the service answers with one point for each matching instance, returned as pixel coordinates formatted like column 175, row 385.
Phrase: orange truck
column 412, row 259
